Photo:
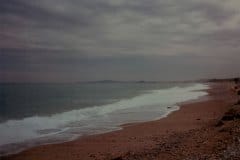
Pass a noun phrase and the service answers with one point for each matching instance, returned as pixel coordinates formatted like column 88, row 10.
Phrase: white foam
column 14, row 131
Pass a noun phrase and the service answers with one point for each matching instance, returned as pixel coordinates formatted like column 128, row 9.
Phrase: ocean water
column 35, row 114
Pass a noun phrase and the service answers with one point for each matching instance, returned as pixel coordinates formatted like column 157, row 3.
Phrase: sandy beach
column 120, row 80
column 193, row 132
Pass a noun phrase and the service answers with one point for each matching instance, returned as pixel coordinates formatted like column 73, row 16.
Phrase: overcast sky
column 81, row 40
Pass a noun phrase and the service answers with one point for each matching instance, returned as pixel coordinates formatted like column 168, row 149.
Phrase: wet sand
column 187, row 133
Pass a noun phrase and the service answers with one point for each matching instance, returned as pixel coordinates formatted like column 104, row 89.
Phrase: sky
column 88, row 40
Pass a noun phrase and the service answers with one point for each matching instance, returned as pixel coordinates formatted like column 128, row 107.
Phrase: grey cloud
column 97, row 35
column 74, row 68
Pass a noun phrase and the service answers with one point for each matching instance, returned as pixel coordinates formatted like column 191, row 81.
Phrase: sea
column 33, row 114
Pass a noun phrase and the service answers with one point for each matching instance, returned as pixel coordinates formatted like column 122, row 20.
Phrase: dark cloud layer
column 74, row 40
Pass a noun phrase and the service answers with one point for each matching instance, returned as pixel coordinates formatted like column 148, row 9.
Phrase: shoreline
column 136, row 137
column 11, row 149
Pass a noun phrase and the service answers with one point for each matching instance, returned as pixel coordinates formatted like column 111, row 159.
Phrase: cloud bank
column 74, row 40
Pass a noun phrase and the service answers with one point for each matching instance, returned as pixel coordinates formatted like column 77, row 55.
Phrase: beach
column 193, row 132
